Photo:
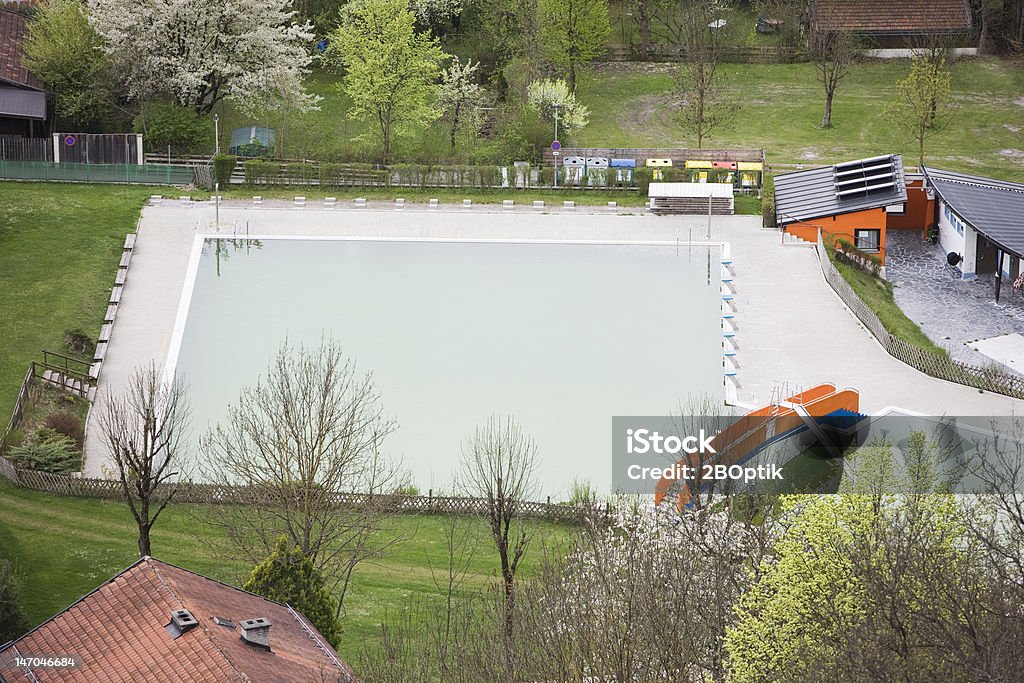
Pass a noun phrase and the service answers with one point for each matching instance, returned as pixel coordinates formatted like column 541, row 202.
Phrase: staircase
column 720, row 206
column 70, row 374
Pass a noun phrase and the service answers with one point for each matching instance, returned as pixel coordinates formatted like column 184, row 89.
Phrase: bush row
column 262, row 172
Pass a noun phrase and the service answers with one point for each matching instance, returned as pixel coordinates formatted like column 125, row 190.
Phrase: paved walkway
column 793, row 329
column 952, row 312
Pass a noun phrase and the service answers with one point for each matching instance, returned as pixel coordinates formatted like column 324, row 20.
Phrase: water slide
column 752, row 433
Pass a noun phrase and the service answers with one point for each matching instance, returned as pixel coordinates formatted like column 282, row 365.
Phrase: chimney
column 182, row 621
column 256, row 632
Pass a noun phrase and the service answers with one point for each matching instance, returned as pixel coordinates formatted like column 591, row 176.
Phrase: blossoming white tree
column 460, row 98
column 203, row 51
column 544, row 94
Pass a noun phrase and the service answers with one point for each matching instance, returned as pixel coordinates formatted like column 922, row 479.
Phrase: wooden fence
column 932, row 364
column 6, row 468
column 73, row 485
column 731, row 55
column 190, row 492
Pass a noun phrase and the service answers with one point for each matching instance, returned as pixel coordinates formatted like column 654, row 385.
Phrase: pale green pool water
column 563, row 336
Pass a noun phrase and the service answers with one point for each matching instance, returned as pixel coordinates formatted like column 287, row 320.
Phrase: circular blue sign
column 556, row 145
column 70, row 140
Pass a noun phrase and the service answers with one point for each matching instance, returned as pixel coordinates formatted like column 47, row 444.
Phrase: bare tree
column 703, row 103
column 461, row 543
column 143, row 428
column 833, row 50
column 305, row 442
column 922, row 105
column 498, row 464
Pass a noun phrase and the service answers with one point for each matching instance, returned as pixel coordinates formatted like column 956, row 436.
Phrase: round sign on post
column 70, row 140
column 556, row 145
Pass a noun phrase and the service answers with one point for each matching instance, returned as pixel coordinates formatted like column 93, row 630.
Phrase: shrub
column 15, row 437
column 254, row 149
column 407, row 490
column 180, row 128
column 642, row 180
column 300, row 173
column 223, row 167
column 77, row 342
column 260, row 172
column 289, row 576
column 846, row 252
column 67, row 424
column 13, row 623
column 55, row 454
column 768, row 204
column 582, row 494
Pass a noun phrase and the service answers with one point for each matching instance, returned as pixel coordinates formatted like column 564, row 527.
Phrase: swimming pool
column 561, row 335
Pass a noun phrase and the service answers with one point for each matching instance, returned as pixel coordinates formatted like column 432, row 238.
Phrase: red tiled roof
column 13, row 31
column 118, row 630
column 890, row 16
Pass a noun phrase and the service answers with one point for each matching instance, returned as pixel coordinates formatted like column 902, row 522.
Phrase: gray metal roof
column 805, row 195
column 995, row 208
column 22, row 104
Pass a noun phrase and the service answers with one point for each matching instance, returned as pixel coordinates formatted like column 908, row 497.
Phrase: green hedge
column 260, row 172
column 768, row 203
column 351, row 175
column 223, row 167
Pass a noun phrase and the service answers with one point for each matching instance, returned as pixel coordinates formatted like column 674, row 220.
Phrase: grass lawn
column 59, row 248
column 780, row 111
column 877, row 294
column 66, row 547
column 781, row 105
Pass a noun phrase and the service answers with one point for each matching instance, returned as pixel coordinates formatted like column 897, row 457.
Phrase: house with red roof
column 22, row 94
column 158, row 622
column 897, row 26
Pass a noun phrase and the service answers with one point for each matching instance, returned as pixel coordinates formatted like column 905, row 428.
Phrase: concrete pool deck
column 793, row 329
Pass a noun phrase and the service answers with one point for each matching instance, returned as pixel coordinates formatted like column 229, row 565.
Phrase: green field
column 781, row 105
column 59, row 248
column 65, row 547
column 877, row 294
column 779, row 110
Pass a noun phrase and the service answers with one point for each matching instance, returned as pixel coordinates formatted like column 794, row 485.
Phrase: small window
column 895, row 208
column 867, row 240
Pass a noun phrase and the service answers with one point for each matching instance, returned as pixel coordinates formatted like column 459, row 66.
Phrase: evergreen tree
column 287, row 575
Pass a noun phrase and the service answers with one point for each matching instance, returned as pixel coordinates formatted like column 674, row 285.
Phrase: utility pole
column 556, row 106
column 216, row 134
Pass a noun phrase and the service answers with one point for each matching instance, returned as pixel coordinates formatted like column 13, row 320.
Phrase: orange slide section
column 752, row 431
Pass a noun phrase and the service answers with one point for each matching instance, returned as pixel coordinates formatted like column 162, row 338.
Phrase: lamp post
column 556, row 106
column 216, row 134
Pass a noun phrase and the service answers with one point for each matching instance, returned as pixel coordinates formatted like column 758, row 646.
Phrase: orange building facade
column 867, row 229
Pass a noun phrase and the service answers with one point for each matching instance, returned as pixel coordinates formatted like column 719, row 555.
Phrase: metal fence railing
column 97, row 173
